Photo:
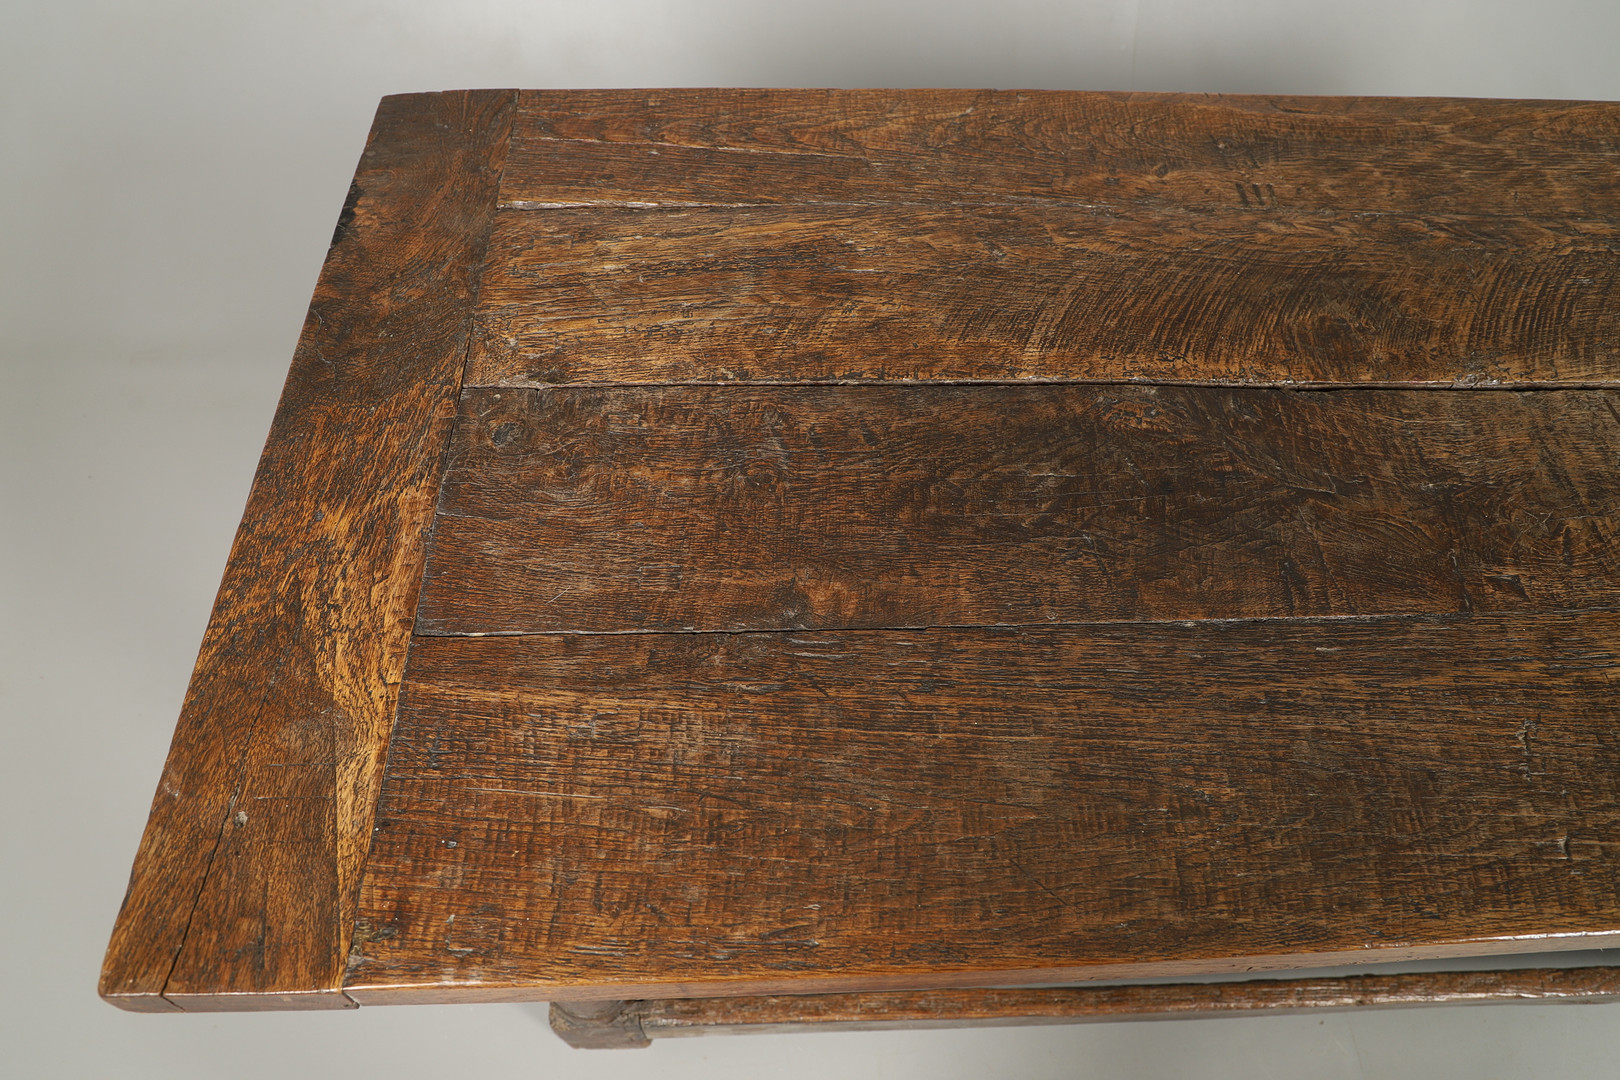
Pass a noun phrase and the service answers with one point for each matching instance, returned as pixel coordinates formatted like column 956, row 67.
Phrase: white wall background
column 170, row 172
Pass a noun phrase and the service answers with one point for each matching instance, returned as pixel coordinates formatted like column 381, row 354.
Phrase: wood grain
column 713, row 508
column 243, row 891
column 636, row 1023
column 1428, row 155
column 687, row 815
column 794, row 294
column 1034, row 676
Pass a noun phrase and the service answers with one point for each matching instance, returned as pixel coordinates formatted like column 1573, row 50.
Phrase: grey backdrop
column 169, row 176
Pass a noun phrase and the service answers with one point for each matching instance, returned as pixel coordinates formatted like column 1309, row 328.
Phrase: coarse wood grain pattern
column 895, row 541
column 1045, row 292
column 636, row 1023
column 243, row 891
column 686, row 815
column 766, row 508
column 724, row 147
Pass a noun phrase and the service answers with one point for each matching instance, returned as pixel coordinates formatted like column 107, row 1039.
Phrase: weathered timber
column 574, row 816
column 243, row 892
column 714, row 508
column 1040, row 292
column 1343, row 154
column 636, row 1023
column 901, row 541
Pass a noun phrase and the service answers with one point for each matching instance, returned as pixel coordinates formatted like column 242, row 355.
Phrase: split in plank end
column 243, row 890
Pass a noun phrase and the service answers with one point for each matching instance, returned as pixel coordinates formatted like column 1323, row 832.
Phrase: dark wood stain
column 636, row 1023
column 698, row 814
column 713, row 508
column 1093, row 536
column 1043, row 292
column 725, row 147
column 243, row 891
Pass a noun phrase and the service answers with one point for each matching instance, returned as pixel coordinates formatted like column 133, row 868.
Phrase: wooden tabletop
column 751, row 542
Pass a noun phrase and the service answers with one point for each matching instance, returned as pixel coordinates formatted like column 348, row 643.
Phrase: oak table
column 736, row 558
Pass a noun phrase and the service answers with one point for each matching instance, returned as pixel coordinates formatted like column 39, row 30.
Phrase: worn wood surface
column 765, row 508
column 788, row 293
column 649, row 815
column 1405, row 155
column 737, row 235
column 636, row 1023
column 244, row 888
column 1019, row 680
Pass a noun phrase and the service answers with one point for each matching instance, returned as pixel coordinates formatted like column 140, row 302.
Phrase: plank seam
column 1290, row 620
column 427, row 539
column 1308, row 387
column 240, row 769
column 531, row 206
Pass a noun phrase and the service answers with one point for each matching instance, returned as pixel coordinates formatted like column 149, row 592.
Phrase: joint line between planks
column 1291, row 620
column 531, row 206
column 443, row 459
column 1308, row 387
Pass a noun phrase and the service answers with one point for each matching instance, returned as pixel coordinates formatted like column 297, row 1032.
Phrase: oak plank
column 586, row 817
column 726, row 147
column 243, row 891
column 765, row 508
column 636, row 1023
column 795, row 293
column 1390, row 734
